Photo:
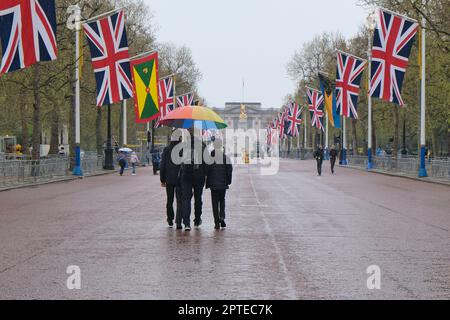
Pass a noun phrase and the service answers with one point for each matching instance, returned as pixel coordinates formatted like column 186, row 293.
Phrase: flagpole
column 327, row 129
column 77, row 171
column 124, row 122
column 422, row 169
column 148, row 143
column 305, row 137
column 344, row 139
column 371, row 26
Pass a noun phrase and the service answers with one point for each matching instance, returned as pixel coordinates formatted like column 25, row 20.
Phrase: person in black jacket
column 170, row 179
column 193, row 176
column 318, row 155
column 219, row 178
column 333, row 156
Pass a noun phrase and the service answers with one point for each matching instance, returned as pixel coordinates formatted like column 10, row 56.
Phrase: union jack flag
column 348, row 81
column 392, row 43
column 166, row 96
column 281, row 125
column 294, row 120
column 27, row 33
column 315, row 106
column 185, row 100
column 108, row 42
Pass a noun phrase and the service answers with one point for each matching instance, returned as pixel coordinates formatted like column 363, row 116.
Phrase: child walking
column 134, row 159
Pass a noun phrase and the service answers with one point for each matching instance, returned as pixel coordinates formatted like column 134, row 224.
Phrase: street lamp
column 371, row 24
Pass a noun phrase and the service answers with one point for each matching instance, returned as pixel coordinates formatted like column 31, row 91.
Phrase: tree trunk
column 448, row 139
column 24, row 124
column 396, row 131
column 354, row 138
column 54, row 139
column 98, row 131
column 36, row 154
column 435, row 141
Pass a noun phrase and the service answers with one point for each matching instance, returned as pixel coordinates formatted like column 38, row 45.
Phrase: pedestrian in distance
column 156, row 160
column 219, row 178
column 319, row 155
column 134, row 159
column 333, row 156
column 122, row 160
column 193, row 178
column 171, row 181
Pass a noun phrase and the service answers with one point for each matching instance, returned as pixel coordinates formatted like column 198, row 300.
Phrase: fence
column 436, row 168
column 22, row 172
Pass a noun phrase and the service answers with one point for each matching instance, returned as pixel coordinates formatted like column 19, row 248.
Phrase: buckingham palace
column 248, row 115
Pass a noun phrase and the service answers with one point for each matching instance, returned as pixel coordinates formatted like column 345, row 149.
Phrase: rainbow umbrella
column 193, row 117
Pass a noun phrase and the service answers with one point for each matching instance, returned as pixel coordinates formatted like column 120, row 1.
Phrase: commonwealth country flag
column 145, row 86
column 329, row 93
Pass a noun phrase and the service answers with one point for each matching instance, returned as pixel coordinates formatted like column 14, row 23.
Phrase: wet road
column 290, row 236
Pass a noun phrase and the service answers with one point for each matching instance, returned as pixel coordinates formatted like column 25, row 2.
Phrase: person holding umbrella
column 122, row 160
column 219, row 178
column 170, row 180
column 193, row 166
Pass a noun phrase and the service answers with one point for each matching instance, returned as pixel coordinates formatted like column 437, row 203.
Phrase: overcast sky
column 232, row 40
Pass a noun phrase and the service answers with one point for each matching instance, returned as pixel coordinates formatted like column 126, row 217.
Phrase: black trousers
column 218, row 204
column 155, row 167
column 333, row 163
column 319, row 166
column 188, row 190
column 173, row 191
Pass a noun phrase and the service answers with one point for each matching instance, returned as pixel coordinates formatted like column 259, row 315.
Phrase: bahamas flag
column 329, row 93
column 144, row 72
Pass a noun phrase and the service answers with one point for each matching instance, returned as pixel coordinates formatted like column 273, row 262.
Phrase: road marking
column 291, row 291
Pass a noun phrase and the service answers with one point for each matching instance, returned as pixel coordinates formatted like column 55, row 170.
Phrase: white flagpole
column 124, row 122
column 422, row 169
column 327, row 130
column 77, row 171
column 305, row 146
column 344, row 138
column 371, row 25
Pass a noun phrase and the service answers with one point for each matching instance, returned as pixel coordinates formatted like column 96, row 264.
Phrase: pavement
column 290, row 236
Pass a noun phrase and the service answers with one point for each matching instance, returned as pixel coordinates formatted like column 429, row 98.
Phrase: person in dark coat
column 219, row 178
column 193, row 177
column 333, row 156
column 156, row 159
column 318, row 155
column 122, row 160
column 170, row 179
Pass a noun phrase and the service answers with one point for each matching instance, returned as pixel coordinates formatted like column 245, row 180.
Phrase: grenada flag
column 144, row 72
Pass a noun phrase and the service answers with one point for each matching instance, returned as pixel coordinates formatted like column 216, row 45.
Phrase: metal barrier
column 92, row 164
column 436, row 168
column 21, row 172
column 17, row 172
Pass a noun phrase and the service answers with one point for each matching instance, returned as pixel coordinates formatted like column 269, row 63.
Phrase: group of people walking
column 319, row 155
column 122, row 159
column 188, row 180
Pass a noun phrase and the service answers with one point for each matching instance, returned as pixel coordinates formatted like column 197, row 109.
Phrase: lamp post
column 371, row 23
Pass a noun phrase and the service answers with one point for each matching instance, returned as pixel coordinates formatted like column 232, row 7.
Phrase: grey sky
column 253, row 40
